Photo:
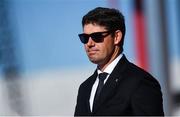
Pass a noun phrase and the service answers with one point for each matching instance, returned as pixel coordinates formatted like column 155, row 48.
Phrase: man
column 117, row 86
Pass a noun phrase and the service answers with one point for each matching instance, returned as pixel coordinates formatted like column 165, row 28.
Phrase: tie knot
column 102, row 76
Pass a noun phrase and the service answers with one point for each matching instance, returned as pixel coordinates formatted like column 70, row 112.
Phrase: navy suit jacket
column 129, row 90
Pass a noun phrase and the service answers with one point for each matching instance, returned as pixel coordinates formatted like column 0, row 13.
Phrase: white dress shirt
column 108, row 70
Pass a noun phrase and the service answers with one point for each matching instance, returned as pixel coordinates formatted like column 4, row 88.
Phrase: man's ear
column 117, row 37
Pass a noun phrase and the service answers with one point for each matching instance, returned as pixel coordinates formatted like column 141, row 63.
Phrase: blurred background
column 42, row 61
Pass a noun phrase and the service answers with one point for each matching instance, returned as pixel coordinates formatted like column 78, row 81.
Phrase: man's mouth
column 92, row 51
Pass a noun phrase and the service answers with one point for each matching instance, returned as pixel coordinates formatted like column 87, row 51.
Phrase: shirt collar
column 111, row 66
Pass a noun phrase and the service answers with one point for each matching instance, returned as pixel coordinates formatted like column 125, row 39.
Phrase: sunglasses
column 96, row 37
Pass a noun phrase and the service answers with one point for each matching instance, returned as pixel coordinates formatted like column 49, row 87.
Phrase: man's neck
column 102, row 67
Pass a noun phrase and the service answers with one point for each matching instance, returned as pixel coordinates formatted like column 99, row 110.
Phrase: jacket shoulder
column 142, row 75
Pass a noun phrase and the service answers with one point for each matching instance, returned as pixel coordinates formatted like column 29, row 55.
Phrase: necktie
column 102, row 77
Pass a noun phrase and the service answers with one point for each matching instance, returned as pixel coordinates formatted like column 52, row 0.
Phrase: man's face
column 99, row 52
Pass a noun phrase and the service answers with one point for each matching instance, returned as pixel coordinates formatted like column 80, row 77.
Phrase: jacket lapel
column 112, row 82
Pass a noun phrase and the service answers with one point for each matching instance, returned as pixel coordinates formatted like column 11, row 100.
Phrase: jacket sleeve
column 81, row 105
column 78, row 103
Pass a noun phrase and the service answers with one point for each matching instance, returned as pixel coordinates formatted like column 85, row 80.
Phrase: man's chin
column 93, row 61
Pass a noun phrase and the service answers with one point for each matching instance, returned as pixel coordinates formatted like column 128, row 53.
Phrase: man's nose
column 90, row 42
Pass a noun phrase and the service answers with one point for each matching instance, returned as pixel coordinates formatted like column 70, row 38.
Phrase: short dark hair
column 112, row 19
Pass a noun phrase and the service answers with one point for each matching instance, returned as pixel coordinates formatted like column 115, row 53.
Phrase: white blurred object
column 175, row 73
column 47, row 92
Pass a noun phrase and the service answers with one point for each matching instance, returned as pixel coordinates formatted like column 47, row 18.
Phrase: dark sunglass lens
column 97, row 37
column 84, row 38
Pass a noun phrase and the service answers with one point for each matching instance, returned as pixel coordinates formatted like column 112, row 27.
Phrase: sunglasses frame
column 96, row 36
